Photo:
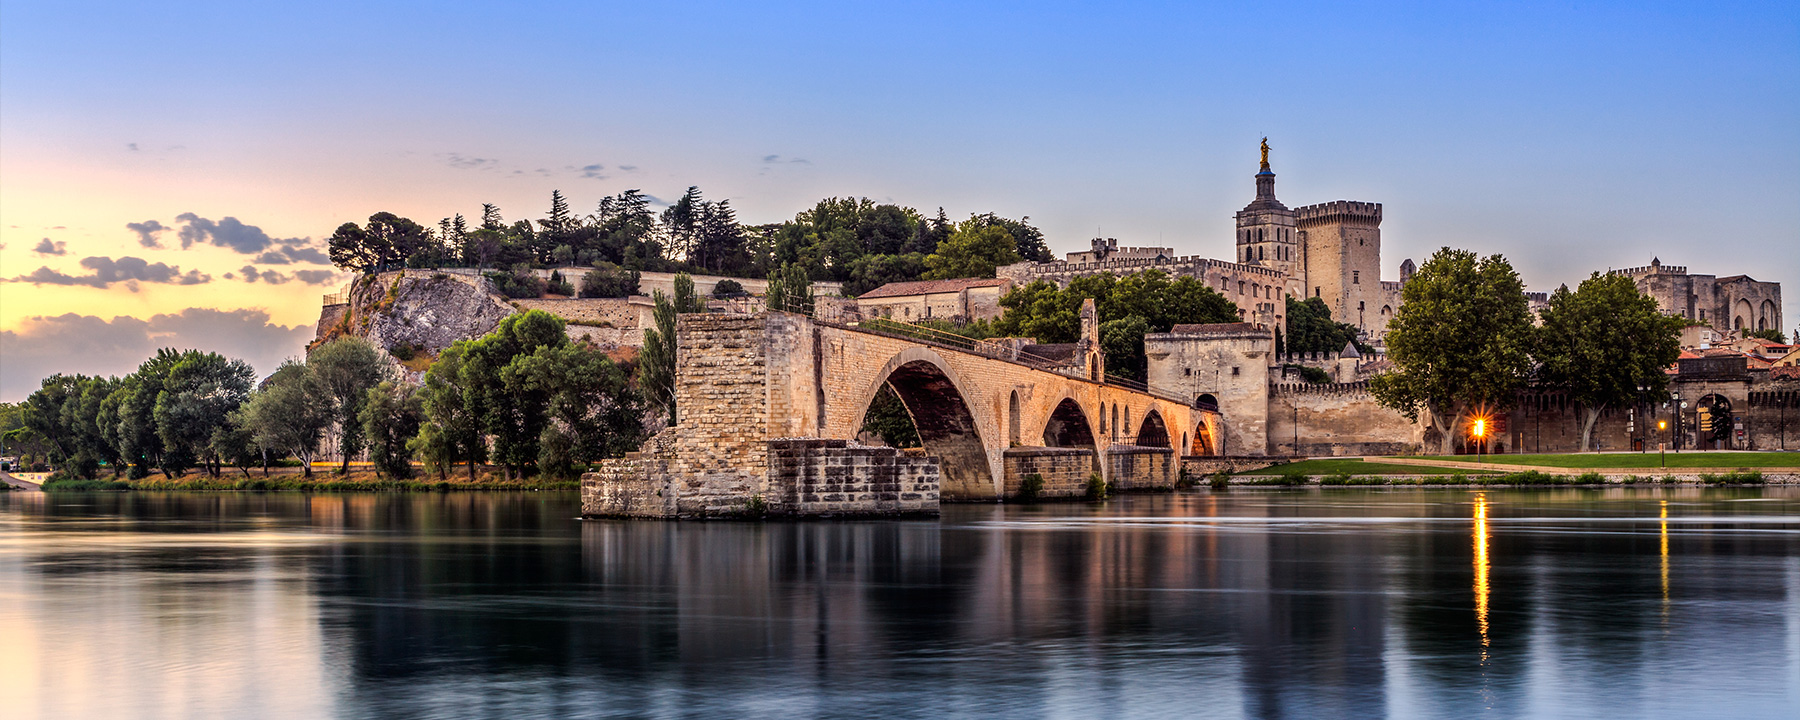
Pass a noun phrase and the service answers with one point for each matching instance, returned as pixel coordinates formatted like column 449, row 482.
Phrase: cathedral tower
column 1341, row 245
column 1266, row 235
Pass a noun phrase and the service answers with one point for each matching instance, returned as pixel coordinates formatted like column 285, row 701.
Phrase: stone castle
column 1330, row 251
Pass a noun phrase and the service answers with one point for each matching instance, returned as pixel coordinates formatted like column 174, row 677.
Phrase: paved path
column 18, row 483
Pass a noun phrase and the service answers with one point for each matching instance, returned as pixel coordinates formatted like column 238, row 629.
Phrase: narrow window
column 1355, row 277
column 1234, row 371
column 1315, row 291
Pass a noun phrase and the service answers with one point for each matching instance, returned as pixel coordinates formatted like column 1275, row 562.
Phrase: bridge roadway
column 969, row 407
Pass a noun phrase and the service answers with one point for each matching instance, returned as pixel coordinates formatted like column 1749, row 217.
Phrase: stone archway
column 1152, row 432
column 1203, row 442
column 1068, row 427
column 941, row 414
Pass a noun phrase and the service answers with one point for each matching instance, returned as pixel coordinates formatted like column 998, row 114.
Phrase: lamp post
column 1479, row 431
column 1662, row 452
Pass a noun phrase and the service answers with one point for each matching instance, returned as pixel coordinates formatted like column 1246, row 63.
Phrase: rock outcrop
column 415, row 312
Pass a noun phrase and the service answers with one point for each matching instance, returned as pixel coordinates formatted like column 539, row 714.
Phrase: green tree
column 656, row 373
column 1606, row 345
column 391, row 416
column 346, row 368
column 387, row 241
column 198, row 397
column 592, row 409
column 888, row 419
column 513, row 417
column 790, row 290
column 452, row 428
column 234, row 443
column 1311, row 329
column 607, row 280
column 1050, row 314
column 290, row 412
column 1460, row 344
column 973, row 251
column 1770, row 334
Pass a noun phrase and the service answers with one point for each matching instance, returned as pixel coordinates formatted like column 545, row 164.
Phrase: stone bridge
column 767, row 403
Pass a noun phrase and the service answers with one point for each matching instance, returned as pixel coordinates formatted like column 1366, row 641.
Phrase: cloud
column 464, row 162
column 593, row 171
column 273, row 277
column 106, row 271
column 229, row 233
column 131, row 146
column 42, row 346
column 271, row 258
column 46, row 247
column 305, row 255
column 777, row 160
column 147, row 232
column 628, row 168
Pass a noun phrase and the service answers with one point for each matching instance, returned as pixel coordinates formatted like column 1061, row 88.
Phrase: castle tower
column 1341, row 247
column 1265, row 228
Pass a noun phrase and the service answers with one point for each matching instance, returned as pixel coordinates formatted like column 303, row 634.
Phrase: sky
column 169, row 171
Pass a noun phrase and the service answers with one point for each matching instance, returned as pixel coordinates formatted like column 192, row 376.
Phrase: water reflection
column 1245, row 604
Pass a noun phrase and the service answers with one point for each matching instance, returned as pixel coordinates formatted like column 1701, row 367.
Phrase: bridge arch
column 1203, row 441
column 1153, row 432
column 936, row 400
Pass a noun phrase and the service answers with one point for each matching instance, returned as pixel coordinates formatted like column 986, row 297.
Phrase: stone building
column 960, row 299
column 1737, row 302
column 1331, row 251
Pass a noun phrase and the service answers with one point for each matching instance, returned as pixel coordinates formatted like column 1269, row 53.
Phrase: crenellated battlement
column 1339, row 211
column 1360, row 387
column 1185, row 264
column 1651, row 270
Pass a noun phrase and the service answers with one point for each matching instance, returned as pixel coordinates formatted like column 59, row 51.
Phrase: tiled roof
column 930, row 287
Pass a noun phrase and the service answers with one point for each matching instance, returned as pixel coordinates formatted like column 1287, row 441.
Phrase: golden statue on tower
column 1265, row 153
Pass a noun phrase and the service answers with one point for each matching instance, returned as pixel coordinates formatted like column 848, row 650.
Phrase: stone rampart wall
column 1200, row 466
column 1337, row 419
column 1065, row 470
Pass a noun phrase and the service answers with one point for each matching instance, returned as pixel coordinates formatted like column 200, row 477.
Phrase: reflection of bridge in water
column 988, row 414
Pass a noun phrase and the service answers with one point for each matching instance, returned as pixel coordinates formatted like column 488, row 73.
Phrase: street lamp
column 1480, row 430
column 1662, row 450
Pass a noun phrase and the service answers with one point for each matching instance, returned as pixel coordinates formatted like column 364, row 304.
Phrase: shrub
column 1183, row 480
column 1532, row 477
column 404, row 350
column 1590, row 478
column 520, row 283
column 755, row 507
column 607, row 280
column 728, row 288
column 1221, row 480
column 1309, row 374
column 1288, row 480
column 559, row 286
column 1345, row 479
column 1096, row 487
column 1670, row 480
column 1739, row 476
column 1030, row 486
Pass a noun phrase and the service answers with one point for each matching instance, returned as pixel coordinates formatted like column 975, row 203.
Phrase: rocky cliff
column 414, row 313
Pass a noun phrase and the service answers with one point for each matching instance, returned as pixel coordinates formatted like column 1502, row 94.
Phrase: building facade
column 1737, row 302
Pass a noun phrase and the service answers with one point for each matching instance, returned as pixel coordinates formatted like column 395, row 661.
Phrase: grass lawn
column 1647, row 460
column 1353, row 466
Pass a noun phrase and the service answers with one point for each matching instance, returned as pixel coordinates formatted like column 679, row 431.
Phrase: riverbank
column 292, row 480
column 1527, row 478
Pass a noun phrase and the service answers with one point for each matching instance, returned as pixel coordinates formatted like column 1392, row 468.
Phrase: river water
column 1639, row 603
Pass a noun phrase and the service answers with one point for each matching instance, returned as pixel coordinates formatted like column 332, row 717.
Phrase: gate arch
column 940, row 411
column 1153, row 432
column 1203, row 442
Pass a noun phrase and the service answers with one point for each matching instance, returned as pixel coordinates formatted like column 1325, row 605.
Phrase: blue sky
column 1569, row 136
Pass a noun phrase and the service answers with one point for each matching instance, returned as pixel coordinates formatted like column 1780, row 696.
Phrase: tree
column 512, row 416
column 233, row 442
column 1770, row 334
column 387, row 241
column 391, row 416
column 1606, row 345
column 974, row 251
column 452, row 427
column 134, row 407
column 346, row 368
column 1050, row 314
column 1460, row 343
column 790, row 290
column 198, row 397
column 290, row 412
column 607, row 280
column 593, row 411
column 1311, row 329
column 656, row 374
column 888, row 419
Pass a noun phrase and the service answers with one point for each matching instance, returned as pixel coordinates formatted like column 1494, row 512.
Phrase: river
column 1629, row 602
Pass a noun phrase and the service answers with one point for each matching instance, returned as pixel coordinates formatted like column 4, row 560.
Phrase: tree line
column 852, row 240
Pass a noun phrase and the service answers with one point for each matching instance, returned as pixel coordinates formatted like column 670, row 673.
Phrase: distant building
column 1736, row 302
column 961, row 299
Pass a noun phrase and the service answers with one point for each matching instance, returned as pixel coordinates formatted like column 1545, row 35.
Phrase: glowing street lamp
column 1479, row 431
column 1662, row 450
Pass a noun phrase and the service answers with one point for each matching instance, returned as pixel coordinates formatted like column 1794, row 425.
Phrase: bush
column 1096, row 487
column 1670, row 480
column 1590, row 478
column 1309, row 374
column 1221, row 480
column 1345, row 479
column 607, row 280
column 728, row 288
column 520, row 283
column 1183, row 480
column 1739, row 476
column 559, row 286
column 1030, row 487
column 1289, row 480
column 404, row 350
